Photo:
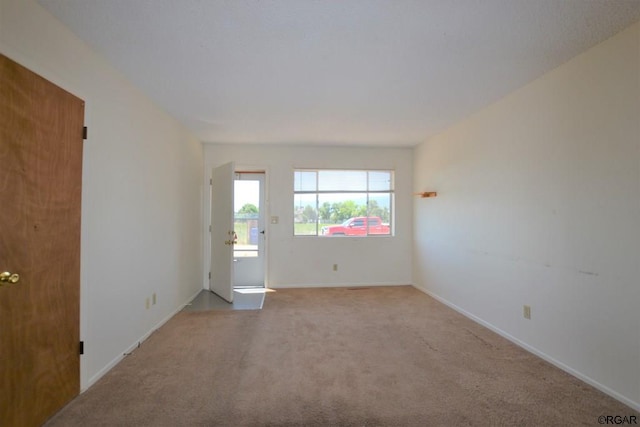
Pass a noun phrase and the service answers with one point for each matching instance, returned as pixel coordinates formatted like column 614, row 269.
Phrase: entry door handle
column 9, row 277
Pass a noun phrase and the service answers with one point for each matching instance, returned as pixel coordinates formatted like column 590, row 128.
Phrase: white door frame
column 250, row 271
column 206, row 230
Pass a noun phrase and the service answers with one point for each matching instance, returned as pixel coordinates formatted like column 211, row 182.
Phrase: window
column 342, row 202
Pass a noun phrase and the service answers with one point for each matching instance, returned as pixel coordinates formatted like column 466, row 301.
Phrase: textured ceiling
column 361, row 72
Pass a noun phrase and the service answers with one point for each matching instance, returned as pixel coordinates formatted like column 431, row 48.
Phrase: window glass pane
column 304, row 181
column 380, row 206
column 332, row 180
column 345, row 203
column 380, row 181
column 247, row 201
column 246, row 196
column 342, row 214
column 305, row 215
column 335, row 208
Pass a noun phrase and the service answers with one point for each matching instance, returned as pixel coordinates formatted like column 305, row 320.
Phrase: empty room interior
column 493, row 152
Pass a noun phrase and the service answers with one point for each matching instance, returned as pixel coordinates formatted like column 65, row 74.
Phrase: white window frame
column 318, row 193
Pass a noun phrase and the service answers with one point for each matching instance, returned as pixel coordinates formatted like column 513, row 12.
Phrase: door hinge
column 84, row 132
column 209, row 229
column 211, row 181
column 209, row 275
column 81, row 347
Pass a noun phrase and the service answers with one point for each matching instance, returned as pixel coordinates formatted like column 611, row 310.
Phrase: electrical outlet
column 147, row 303
column 335, row 267
column 153, row 299
column 526, row 311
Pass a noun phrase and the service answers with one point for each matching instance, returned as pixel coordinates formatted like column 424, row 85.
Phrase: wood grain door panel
column 40, row 190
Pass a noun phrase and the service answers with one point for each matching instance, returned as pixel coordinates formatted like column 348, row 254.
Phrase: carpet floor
column 389, row 356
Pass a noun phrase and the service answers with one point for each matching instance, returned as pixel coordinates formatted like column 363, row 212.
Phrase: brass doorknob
column 8, row 277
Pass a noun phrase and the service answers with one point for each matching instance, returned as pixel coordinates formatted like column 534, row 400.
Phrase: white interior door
column 249, row 252
column 222, row 233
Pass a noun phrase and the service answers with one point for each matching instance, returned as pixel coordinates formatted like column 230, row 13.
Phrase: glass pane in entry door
column 246, row 214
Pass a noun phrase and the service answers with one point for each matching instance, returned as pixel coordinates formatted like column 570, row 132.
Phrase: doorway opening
column 249, row 228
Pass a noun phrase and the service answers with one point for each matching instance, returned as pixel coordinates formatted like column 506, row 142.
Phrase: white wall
column 539, row 204
column 308, row 261
column 142, row 185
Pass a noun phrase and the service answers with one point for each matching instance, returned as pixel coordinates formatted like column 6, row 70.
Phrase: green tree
column 248, row 208
column 341, row 211
column 309, row 214
column 324, row 211
column 376, row 210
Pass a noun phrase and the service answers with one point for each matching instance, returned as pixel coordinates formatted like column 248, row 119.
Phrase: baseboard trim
column 533, row 350
column 135, row 345
column 335, row 285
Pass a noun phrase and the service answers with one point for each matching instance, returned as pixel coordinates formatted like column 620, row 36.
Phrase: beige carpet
column 335, row 357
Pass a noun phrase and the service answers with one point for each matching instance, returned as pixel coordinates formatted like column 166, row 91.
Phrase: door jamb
column 240, row 167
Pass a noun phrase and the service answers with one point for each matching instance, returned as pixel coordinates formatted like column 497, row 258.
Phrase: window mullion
column 317, row 203
column 368, row 213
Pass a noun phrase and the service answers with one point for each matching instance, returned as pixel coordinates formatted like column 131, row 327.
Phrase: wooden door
column 222, row 233
column 40, row 188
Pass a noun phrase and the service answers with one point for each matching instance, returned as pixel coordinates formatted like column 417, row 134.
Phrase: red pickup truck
column 357, row 227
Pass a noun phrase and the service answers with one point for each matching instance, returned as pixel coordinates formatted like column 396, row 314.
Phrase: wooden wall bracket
column 424, row 194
